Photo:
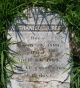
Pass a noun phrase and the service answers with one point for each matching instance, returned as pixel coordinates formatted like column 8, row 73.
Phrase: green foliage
column 9, row 9
column 75, row 73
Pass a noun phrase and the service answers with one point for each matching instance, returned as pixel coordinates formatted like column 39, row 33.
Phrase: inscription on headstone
column 42, row 51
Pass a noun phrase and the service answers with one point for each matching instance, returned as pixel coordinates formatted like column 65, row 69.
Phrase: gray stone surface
column 42, row 51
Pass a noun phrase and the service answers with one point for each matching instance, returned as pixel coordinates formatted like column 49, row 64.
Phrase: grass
column 68, row 9
column 75, row 74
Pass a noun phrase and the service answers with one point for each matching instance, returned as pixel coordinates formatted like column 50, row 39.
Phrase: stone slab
column 42, row 51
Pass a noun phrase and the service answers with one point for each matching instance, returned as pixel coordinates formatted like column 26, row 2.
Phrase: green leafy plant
column 69, row 10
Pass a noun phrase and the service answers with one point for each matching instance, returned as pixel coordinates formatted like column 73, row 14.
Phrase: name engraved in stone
column 39, row 28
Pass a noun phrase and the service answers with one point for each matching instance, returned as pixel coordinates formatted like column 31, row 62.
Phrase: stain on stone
column 33, row 78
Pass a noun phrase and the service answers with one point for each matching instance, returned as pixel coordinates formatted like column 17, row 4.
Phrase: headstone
column 42, row 46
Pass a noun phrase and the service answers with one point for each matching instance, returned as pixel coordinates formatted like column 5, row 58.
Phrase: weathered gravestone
column 42, row 51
